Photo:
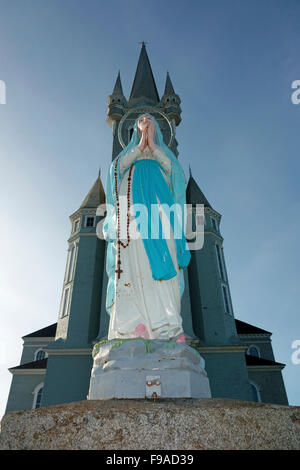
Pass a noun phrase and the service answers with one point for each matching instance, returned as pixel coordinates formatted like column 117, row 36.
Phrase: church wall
column 67, row 378
column 62, row 327
column 212, row 319
column 186, row 312
column 230, row 327
column 29, row 349
column 205, row 278
column 97, row 291
column 104, row 317
column 266, row 349
column 227, row 375
column 195, row 298
column 264, row 346
column 28, row 352
column 86, row 296
column 270, row 385
column 21, row 391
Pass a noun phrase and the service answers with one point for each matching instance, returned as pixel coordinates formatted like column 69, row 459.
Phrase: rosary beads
column 119, row 243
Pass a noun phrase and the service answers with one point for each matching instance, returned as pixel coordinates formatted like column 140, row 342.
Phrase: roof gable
column 47, row 332
column 244, row 328
column 194, row 195
column 41, row 364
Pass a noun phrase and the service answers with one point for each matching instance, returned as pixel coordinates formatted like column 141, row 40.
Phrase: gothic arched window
column 37, row 396
column 253, row 351
column 255, row 392
column 39, row 355
column 220, row 260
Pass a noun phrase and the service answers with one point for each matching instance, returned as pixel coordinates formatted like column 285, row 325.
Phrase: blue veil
column 177, row 187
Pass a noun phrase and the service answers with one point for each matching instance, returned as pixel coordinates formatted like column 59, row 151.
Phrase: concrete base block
column 138, row 368
column 133, row 384
column 167, row 424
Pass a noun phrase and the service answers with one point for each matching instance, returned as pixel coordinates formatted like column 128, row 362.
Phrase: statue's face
column 145, row 121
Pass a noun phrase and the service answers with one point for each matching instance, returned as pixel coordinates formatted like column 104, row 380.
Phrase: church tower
column 69, row 358
column 144, row 98
column 214, row 324
column 212, row 311
column 56, row 362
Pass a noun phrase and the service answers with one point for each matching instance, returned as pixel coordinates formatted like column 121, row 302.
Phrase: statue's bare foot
column 141, row 332
column 181, row 339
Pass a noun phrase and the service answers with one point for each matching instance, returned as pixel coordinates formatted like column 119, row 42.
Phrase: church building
column 56, row 362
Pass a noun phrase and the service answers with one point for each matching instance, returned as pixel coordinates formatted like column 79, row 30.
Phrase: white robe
column 143, row 306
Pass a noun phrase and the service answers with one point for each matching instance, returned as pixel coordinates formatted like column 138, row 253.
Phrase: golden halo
column 140, row 111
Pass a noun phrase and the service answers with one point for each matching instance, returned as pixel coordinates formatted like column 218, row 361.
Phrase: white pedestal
column 138, row 368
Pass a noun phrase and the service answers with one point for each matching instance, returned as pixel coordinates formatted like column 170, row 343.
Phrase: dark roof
column 95, row 196
column 118, row 90
column 41, row 364
column 47, row 332
column 194, row 195
column 144, row 88
column 247, row 329
column 169, row 90
column 259, row 361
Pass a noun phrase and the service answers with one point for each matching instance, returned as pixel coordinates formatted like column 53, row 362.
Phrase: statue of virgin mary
column 145, row 273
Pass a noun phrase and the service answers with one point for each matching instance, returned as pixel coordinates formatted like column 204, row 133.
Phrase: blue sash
column 148, row 185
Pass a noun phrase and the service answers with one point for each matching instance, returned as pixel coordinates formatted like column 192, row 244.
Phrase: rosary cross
column 119, row 271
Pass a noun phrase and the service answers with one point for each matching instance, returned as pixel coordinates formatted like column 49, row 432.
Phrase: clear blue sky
column 231, row 62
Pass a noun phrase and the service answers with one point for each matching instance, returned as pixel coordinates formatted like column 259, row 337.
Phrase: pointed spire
column 118, row 90
column 169, row 90
column 194, row 195
column 190, row 170
column 144, row 88
column 95, row 196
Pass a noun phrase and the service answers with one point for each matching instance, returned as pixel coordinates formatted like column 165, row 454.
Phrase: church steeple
column 194, row 195
column 116, row 102
column 170, row 101
column 169, row 90
column 144, row 88
column 118, row 90
column 95, row 196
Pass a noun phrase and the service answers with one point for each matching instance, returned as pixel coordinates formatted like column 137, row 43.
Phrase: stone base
column 138, row 368
column 177, row 424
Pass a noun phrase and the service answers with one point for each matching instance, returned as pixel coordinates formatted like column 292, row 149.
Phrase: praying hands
column 147, row 130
